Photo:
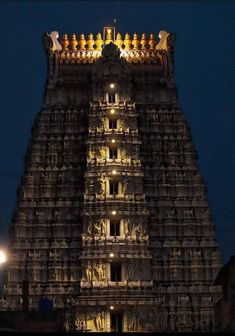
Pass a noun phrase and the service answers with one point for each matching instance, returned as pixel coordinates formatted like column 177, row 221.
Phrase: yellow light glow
column 112, row 111
column 3, row 257
column 114, row 172
column 113, row 140
column 111, row 255
column 112, row 86
column 111, row 307
column 114, row 212
column 109, row 31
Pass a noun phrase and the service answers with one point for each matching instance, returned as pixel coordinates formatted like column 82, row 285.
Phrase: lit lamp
column 113, row 212
column 111, row 307
column 114, row 172
column 3, row 257
column 113, row 140
column 111, row 255
column 112, row 111
column 112, row 86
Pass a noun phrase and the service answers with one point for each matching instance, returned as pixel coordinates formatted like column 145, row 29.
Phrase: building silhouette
column 224, row 308
column 112, row 222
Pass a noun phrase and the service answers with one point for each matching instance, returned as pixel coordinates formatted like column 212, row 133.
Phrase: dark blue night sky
column 205, row 72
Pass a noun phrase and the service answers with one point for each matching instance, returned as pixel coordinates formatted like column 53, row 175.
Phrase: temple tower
column 112, row 222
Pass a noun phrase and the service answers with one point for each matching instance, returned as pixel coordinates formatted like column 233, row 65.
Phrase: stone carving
column 162, row 44
column 89, row 272
column 126, row 227
column 184, row 321
column 111, row 50
column 100, row 229
column 98, row 187
column 65, row 133
column 134, row 270
column 99, row 321
column 80, row 324
column 133, row 319
column 50, row 41
column 163, row 321
column 100, row 272
column 147, row 320
column 89, row 229
column 172, row 322
column 138, row 230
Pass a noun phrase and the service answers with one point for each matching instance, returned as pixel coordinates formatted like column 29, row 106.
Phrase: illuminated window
column 112, row 123
column 116, row 272
column 113, row 153
column 114, row 227
column 113, row 187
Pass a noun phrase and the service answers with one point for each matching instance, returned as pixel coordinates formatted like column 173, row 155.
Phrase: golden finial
column 82, row 42
column 108, row 36
column 119, row 41
column 98, row 42
column 135, row 41
column 65, row 42
column 143, row 41
column 127, row 42
column 90, row 42
column 73, row 42
column 152, row 42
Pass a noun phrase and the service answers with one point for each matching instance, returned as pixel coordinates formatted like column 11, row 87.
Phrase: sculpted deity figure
column 103, row 228
column 102, row 184
column 100, row 270
column 103, row 271
column 22, row 216
column 130, row 272
column 98, row 187
column 126, row 227
column 97, row 229
column 134, row 321
column 89, row 273
column 124, row 188
column 89, row 229
column 80, row 324
column 99, row 321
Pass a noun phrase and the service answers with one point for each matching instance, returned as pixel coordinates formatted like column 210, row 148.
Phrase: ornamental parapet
column 110, row 285
column 127, row 198
column 119, row 252
column 128, row 298
column 101, row 136
column 131, row 56
column 87, row 50
column 104, row 105
column 125, row 240
column 121, row 171
column 115, row 208
column 134, row 49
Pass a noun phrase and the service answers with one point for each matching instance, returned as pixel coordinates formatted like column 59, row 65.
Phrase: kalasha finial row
column 96, row 44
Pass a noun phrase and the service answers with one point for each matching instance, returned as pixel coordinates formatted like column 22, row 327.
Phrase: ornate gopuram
column 112, row 223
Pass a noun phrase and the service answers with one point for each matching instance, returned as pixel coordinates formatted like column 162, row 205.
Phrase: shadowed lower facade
column 112, row 221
